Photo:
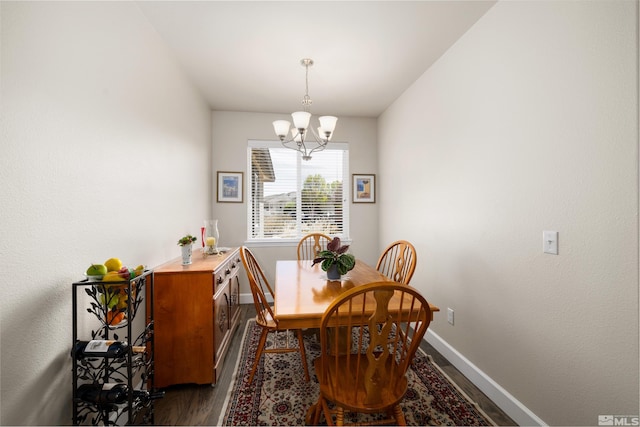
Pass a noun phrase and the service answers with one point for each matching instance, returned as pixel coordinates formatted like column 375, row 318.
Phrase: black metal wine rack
column 115, row 322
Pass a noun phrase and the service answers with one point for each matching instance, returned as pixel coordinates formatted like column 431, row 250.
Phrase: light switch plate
column 550, row 242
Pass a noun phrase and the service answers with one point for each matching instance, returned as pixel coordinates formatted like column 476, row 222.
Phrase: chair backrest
column 259, row 285
column 382, row 325
column 398, row 261
column 311, row 244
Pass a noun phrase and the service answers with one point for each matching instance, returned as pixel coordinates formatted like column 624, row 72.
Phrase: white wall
column 528, row 123
column 232, row 130
column 105, row 152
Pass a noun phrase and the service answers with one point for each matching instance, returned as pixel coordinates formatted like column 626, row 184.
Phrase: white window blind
column 290, row 197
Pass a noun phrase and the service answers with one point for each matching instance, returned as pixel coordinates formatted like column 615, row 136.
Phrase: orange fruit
column 123, row 292
column 119, row 317
column 114, row 317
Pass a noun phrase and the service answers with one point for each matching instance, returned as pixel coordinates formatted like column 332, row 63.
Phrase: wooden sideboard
column 196, row 310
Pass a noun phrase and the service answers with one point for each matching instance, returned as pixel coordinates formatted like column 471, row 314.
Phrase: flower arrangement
column 186, row 240
column 335, row 254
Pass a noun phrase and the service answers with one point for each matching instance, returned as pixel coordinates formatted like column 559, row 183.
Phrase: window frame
column 346, row 194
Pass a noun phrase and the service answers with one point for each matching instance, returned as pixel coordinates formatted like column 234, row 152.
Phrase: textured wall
column 528, row 123
column 105, row 152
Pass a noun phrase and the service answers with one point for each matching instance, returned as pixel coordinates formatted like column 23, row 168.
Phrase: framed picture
column 364, row 188
column 230, row 189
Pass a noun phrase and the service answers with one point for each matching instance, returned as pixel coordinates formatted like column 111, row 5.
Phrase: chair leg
column 328, row 414
column 303, row 354
column 339, row 416
column 263, row 340
column 313, row 413
column 308, row 417
column 316, row 415
column 399, row 416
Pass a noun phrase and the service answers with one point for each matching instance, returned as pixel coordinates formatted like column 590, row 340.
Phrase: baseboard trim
column 248, row 298
column 501, row 397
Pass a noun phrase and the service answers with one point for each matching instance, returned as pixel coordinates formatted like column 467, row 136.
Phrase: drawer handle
column 220, row 280
column 233, row 265
column 227, row 272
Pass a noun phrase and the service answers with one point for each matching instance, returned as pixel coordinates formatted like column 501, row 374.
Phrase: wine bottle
column 104, row 348
column 113, row 393
column 108, row 393
column 146, row 396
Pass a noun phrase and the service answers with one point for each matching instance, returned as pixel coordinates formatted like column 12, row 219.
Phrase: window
column 290, row 197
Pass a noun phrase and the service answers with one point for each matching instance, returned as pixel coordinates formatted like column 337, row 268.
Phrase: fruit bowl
column 91, row 278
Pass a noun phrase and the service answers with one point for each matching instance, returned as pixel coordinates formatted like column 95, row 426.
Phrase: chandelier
column 304, row 139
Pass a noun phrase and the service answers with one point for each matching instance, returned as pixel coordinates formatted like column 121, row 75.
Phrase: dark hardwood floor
column 201, row 404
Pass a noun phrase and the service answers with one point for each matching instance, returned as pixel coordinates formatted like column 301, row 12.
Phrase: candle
column 211, row 241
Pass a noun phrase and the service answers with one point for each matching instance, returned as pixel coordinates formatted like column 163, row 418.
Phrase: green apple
column 110, row 300
column 113, row 301
column 96, row 270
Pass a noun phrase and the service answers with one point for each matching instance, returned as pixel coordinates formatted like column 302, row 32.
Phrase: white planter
column 186, row 254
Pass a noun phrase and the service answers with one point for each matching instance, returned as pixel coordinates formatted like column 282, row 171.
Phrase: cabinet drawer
column 227, row 270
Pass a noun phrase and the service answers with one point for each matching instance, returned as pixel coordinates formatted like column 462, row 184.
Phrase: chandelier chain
column 306, row 101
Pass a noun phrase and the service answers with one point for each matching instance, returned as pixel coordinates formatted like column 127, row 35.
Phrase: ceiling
column 245, row 55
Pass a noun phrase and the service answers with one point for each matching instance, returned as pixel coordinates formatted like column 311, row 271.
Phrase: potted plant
column 335, row 259
column 185, row 244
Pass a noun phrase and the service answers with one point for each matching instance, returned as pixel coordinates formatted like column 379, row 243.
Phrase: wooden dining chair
column 398, row 261
column 311, row 244
column 368, row 337
column 264, row 317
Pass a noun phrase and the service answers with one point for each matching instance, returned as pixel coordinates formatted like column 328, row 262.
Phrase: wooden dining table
column 303, row 293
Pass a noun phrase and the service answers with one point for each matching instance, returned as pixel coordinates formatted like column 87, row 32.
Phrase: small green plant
column 336, row 254
column 186, row 240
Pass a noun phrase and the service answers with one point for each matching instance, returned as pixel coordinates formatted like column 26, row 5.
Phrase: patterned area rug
column 279, row 394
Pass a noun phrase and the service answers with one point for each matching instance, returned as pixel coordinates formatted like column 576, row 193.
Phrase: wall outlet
column 450, row 315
